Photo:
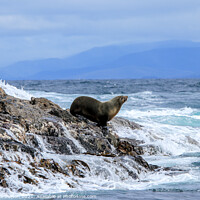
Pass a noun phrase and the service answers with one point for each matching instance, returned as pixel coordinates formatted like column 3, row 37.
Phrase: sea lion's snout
column 125, row 98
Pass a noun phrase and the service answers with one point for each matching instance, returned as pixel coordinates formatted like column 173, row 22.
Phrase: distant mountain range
column 168, row 59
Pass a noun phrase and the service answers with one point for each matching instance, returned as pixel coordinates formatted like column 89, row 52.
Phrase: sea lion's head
column 122, row 99
column 119, row 100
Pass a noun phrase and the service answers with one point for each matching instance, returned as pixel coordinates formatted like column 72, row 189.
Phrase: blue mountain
column 170, row 59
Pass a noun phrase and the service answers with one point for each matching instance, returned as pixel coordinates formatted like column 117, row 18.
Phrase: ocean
column 168, row 110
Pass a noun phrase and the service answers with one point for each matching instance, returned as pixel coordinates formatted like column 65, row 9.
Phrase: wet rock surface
column 31, row 130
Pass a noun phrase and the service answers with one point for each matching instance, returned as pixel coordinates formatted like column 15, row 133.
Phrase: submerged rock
column 39, row 140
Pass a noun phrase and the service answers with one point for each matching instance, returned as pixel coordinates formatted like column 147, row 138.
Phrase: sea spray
column 15, row 92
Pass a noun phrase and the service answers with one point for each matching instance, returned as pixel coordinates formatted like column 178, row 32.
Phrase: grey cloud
column 55, row 28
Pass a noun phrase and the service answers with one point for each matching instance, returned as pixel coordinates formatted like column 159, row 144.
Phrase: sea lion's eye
column 122, row 99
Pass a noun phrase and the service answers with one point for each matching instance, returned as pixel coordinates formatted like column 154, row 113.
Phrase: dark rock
column 39, row 126
column 78, row 168
column 101, row 154
column 61, row 145
column 29, row 180
column 113, row 139
column 50, row 164
column 150, row 149
column 44, row 104
column 142, row 162
column 80, row 162
column 2, row 93
column 3, row 173
column 94, row 144
column 129, row 147
column 10, row 145
column 63, row 114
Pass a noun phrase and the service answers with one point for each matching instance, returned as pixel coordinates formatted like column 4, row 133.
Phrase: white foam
column 185, row 112
column 170, row 139
column 104, row 174
column 15, row 92
column 76, row 142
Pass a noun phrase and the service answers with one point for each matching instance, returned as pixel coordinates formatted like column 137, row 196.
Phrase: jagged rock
column 37, row 127
column 102, row 154
column 10, row 145
column 193, row 141
column 29, row 180
column 63, row 114
column 113, row 139
column 95, row 144
column 44, row 104
column 52, row 165
column 4, row 135
column 3, row 172
column 2, row 93
column 51, row 108
column 144, row 163
column 150, row 149
column 130, row 147
column 78, row 168
column 62, row 145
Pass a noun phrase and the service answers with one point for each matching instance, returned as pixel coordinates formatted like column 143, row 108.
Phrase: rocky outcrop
column 2, row 93
column 38, row 139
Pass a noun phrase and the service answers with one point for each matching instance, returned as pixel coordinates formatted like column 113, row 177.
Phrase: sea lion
column 96, row 111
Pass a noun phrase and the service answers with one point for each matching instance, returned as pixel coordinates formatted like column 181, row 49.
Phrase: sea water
column 168, row 110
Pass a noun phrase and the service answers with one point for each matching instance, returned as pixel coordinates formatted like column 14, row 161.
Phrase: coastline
column 41, row 143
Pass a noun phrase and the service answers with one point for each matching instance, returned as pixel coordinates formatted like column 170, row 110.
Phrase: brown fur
column 96, row 111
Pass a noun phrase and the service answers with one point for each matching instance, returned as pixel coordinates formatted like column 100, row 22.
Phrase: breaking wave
column 15, row 92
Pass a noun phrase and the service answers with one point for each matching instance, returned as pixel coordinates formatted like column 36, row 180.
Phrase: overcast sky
column 34, row 29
